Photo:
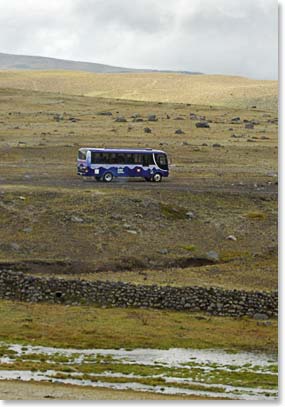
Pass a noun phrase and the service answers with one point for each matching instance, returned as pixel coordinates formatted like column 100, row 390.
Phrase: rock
column 135, row 115
column 235, row 119
column 22, row 198
column 163, row 251
column 147, row 130
column 179, row 131
column 178, row 118
column 152, row 118
column 15, row 246
column 193, row 116
column 185, row 143
column 120, row 119
column 271, row 174
column 104, row 113
column 212, row 255
column 260, row 317
column 190, row 215
column 217, row 145
column 57, row 117
column 202, row 125
column 27, row 230
column 76, row 219
column 264, row 323
column 231, row 237
column 137, row 119
column 249, row 126
column 133, row 232
column 205, row 145
column 167, row 116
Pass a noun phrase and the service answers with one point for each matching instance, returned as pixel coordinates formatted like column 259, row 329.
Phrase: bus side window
column 138, row 159
column 120, row 159
column 146, row 160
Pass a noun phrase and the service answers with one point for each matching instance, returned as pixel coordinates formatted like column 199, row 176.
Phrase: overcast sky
column 235, row 37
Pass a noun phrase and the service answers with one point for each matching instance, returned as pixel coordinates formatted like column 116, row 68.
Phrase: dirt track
column 16, row 390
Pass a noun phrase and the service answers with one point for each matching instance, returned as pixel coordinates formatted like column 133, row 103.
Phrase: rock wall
column 215, row 301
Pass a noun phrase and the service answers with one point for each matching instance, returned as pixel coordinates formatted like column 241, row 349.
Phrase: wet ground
column 176, row 371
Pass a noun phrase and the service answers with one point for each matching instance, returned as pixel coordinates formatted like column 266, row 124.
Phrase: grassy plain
column 137, row 231
column 89, row 327
column 223, row 183
column 216, row 90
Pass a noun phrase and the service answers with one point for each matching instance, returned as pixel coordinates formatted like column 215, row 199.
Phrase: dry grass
column 231, row 91
column 219, row 185
column 90, row 327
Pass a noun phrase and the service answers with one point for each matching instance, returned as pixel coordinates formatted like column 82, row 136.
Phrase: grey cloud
column 235, row 37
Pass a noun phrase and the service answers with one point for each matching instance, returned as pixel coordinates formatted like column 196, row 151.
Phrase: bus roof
column 125, row 150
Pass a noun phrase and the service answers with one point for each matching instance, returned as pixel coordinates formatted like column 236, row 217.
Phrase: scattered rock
column 104, row 113
column 152, row 118
column 260, row 317
column 190, row 215
column 15, row 246
column 133, row 232
column 231, row 237
column 217, row 145
column 202, row 125
column 163, row 251
column 147, row 130
column 179, row 131
column 212, row 255
column 235, row 119
column 137, row 119
column 27, row 230
column 264, row 323
column 271, row 174
column 120, row 119
column 135, row 115
column 178, row 118
column 205, row 145
column 249, row 126
column 76, row 219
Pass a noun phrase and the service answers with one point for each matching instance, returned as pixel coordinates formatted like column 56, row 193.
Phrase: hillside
column 28, row 62
column 216, row 90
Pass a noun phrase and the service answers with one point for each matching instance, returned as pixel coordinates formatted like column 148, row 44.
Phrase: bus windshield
column 161, row 161
column 82, row 154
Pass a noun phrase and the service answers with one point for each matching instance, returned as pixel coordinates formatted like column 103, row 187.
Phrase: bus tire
column 156, row 177
column 108, row 177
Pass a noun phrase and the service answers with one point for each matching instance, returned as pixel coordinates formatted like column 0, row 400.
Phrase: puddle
column 209, row 373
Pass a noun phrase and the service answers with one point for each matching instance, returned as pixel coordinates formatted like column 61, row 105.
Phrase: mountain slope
column 26, row 62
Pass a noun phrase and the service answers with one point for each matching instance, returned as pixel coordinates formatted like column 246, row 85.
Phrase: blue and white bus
column 107, row 163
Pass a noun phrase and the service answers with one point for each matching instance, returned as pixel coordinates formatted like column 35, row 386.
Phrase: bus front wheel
column 157, row 177
column 108, row 177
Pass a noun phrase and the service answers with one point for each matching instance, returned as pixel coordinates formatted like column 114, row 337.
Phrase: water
column 209, row 373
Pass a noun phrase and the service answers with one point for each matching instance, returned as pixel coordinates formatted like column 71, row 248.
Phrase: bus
column 105, row 164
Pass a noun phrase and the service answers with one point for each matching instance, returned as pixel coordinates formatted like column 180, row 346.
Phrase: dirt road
column 16, row 390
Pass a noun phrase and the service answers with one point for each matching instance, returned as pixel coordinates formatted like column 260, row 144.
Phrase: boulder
column 202, row 125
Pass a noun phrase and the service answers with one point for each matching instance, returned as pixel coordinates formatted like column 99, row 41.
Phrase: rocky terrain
column 200, row 245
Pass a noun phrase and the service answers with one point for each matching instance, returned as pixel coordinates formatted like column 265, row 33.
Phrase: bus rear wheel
column 108, row 177
column 157, row 177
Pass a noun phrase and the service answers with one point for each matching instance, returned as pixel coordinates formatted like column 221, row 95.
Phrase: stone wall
column 215, row 301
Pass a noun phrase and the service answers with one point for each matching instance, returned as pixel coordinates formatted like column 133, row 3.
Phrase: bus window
column 147, row 160
column 161, row 161
column 82, row 154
